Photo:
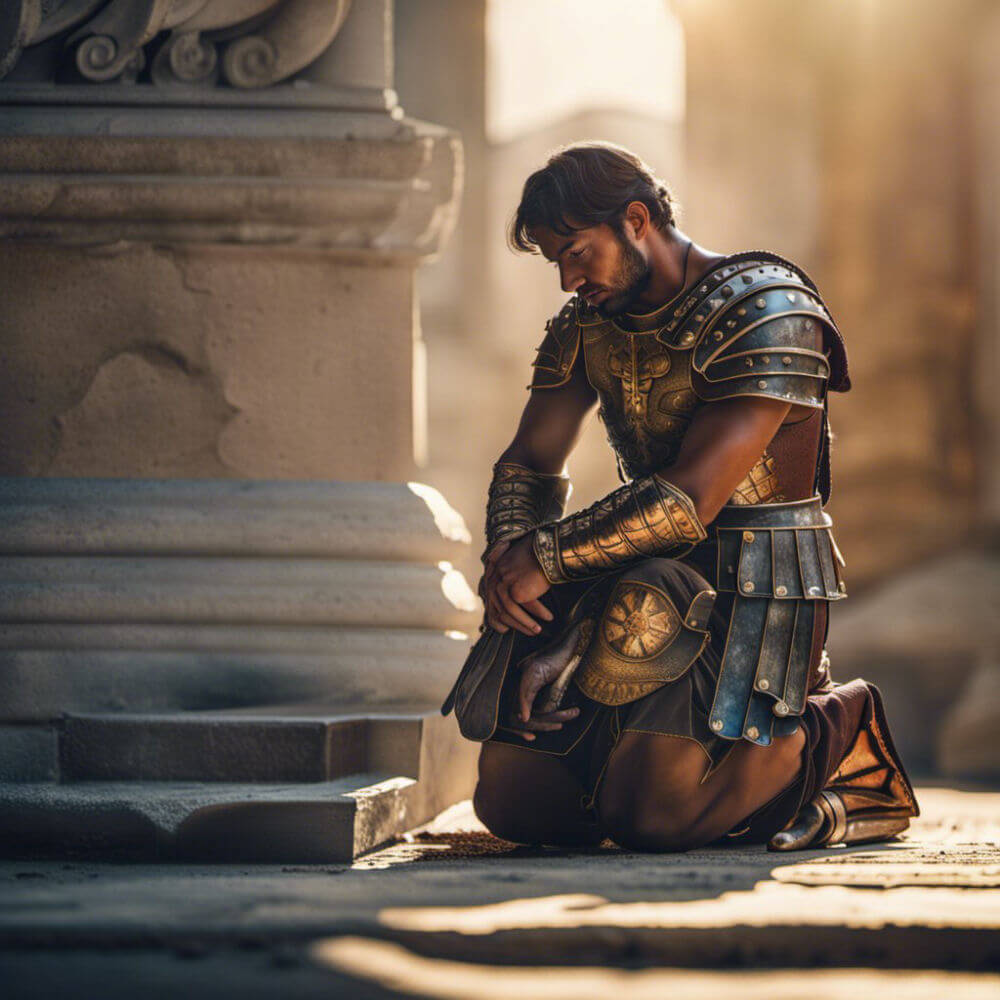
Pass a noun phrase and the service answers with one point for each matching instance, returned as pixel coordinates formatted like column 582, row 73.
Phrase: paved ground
column 457, row 914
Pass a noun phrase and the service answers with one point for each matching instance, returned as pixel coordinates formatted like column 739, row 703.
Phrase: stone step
column 405, row 522
column 219, row 747
column 418, row 766
column 50, row 668
column 232, row 590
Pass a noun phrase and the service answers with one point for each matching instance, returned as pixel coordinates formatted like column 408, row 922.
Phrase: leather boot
column 868, row 798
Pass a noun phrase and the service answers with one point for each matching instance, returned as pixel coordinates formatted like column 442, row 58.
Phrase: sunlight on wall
column 549, row 59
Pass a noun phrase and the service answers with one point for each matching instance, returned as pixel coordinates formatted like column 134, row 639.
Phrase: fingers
column 547, row 723
column 514, row 614
column 532, row 681
column 538, row 609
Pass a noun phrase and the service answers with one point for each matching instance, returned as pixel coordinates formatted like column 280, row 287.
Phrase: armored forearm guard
column 646, row 517
column 521, row 499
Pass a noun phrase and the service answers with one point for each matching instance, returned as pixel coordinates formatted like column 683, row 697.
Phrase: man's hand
column 511, row 585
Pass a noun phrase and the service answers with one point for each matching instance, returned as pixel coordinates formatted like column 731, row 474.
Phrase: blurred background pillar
column 211, row 214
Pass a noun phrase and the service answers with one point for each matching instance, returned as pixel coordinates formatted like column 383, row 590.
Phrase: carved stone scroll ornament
column 296, row 35
column 251, row 43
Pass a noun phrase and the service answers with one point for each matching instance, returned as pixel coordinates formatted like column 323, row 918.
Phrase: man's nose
column 570, row 278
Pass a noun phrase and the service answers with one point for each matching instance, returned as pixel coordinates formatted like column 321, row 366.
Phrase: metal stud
column 718, row 335
column 730, row 569
column 748, row 586
column 741, row 311
column 780, row 708
column 761, row 384
column 714, row 303
column 748, row 536
column 726, row 292
column 790, row 296
column 760, row 303
column 730, row 323
column 766, row 360
column 688, row 338
column 704, row 288
column 753, row 732
column 699, row 317
column 717, row 725
column 749, row 362
column 786, row 360
column 763, row 684
column 747, row 279
column 842, row 587
column 781, row 591
column 814, row 592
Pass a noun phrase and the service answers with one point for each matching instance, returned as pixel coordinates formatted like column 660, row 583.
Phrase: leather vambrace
column 644, row 518
column 521, row 499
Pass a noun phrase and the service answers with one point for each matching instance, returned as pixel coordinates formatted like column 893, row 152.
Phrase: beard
column 629, row 282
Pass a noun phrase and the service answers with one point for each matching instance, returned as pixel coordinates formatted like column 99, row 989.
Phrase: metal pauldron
column 520, row 499
column 645, row 518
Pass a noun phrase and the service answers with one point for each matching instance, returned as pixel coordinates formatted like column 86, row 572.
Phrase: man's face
column 600, row 265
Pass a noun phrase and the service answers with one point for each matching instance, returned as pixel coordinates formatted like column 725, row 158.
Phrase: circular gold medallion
column 639, row 622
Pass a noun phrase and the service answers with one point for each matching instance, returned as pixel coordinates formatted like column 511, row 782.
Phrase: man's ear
column 637, row 219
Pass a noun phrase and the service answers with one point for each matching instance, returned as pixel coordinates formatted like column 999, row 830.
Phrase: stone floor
column 450, row 912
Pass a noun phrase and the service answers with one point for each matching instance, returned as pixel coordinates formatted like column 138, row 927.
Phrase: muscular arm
column 549, row 429
column 722, row 444
column 551, row 423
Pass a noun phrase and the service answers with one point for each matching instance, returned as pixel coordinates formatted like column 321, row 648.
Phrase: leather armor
column 754, row 325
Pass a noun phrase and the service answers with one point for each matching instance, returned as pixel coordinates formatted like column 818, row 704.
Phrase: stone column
column 210, row 218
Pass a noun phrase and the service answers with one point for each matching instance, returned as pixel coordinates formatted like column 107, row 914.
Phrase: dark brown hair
column 589, row 183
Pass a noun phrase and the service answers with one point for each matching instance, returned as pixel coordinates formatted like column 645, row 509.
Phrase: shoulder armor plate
column 557, row 352
column 759, row 327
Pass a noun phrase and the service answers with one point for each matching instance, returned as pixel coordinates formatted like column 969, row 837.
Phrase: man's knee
column 652, row 798
column 645, row 822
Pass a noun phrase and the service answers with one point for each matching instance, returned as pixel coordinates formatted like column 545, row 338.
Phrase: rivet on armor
column 730, row 323
column 760, row 303
column 790, row 296
column 748, row 536
column 753, row 732
column 730, row 569
column 761, row 384
column 699, row 318
column 710, row 593
column 717, row 335
column 714, row 303
column 693, row 623
column 766, row 360
column 780, row 708
column 749, row 362
column 748, row 586
column 726, row 292
column 786, row 360
column 762, row 684
column 741, row 311
column 815, row 591
column 704, row 288
column 842, row 587
column 717, row 725
column 747, row 279
column 688, row 338
column 781, row 591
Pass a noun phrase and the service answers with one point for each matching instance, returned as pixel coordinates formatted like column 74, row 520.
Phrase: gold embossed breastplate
column 644, row 388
